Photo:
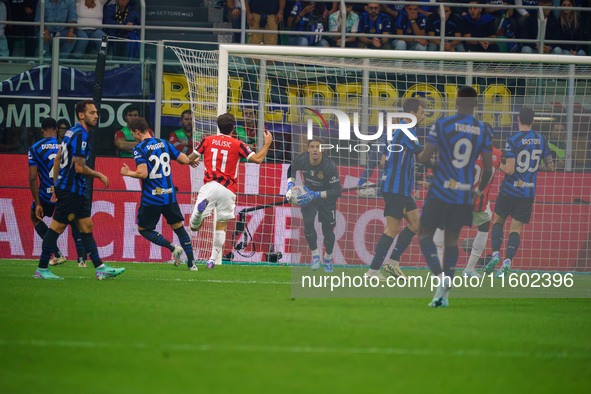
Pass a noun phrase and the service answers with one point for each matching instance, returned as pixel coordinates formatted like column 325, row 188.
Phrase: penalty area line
column 477, row 353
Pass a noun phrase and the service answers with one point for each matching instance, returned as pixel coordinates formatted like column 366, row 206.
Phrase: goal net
column 303, row 94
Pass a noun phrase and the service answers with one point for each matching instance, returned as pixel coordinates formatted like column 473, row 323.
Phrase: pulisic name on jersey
column 225, row 144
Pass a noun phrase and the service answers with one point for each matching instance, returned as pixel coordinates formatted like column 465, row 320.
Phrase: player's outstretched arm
column 260, row 155
column 194, row 159
column 82, row 169
column 141, row 171
column 425, row 156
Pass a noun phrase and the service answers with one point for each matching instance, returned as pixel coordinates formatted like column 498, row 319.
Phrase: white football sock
column 477, row 249
column 219, row 237
column 439, row 241
column 315, row 253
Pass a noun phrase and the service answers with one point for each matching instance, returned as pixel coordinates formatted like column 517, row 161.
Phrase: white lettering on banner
column 19, row 115
column 12, row 115
column 25, row 78
column 133, row 184
column 197, row 175
column 41, row 111
column 12, row 233
column 282, row 233
column 108, row 208
column 129, row 229
column 360, row 231
column 251, row 178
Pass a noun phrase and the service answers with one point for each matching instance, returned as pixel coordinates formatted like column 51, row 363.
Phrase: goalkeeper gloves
column 305, row 199
column 288, row 192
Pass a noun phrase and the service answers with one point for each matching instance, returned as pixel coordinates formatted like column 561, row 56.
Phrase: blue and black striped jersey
column 528, row 148
column 156, row 154
column 400, row 167
column 41, row 155
column 460, row 139
column 75, row 144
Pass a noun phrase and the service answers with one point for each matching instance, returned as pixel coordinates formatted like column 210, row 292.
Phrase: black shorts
column 48, row 208
column 148, row 216
column 70, row 207
column 445, row 215
column 327, row 212
column 397, row 205
column 518, row 207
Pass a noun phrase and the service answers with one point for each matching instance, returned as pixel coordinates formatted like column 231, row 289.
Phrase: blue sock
column 48, row 247
column 381, row 251
column 157, row 238
column 185, row 241
column 496, row 237
column 430, row 253
column 512, row 245
column 80, row 251
column 91, row 249
column 404, row 239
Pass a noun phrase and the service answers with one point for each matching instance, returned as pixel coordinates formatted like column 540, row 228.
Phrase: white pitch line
column 246, row 282
column 297, row 349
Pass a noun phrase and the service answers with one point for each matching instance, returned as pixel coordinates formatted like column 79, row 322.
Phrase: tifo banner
column 22, row 116
column 558, row 237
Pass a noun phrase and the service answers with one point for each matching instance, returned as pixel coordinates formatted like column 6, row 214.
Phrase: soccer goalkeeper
column 323, row 187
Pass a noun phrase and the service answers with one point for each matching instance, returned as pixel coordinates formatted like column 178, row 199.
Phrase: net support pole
column 261, row 103
column 222, row 109
column 55, row 77
column 570, row 108
column 158, row 88
column 364, row 105
column 343, row 12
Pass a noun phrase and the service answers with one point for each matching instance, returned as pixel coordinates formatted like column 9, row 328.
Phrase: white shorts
column 220, row 198
column 479, row 218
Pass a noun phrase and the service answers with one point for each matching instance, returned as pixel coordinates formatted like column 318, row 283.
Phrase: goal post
column 295, row 91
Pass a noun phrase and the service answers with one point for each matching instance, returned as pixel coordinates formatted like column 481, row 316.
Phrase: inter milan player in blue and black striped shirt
column 459, row 139
column 152, row 160
column 523, row 152
column 70, row 190
column 41, row 156
column 397, row 188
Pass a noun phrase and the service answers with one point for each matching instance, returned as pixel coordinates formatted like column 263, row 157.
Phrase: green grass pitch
column 235, row 329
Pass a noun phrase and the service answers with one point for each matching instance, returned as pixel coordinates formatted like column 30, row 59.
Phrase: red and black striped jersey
column 221, row 154
column 482, row 202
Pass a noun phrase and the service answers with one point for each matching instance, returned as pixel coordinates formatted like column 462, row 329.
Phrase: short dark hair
column 81, row 107
column 467, row 98
column 412, row 104
column 187, row 111
column 526, row 116
column 129, row 109
column 63, row 122
column 140, row 124
column 226, row 123
column 48, row 123
column 316, row 138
